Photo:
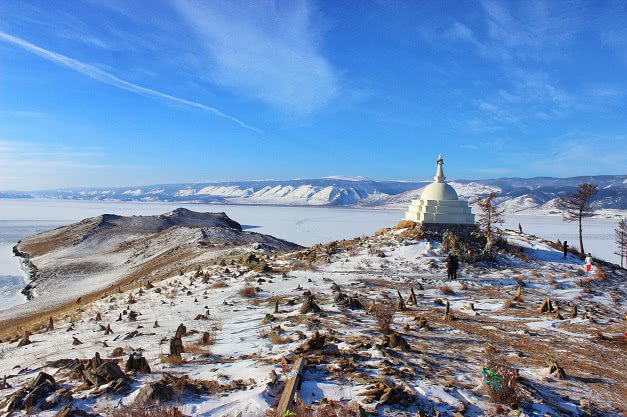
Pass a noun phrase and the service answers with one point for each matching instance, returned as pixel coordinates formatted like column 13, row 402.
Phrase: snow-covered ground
column 440, row 370
column 302, row 225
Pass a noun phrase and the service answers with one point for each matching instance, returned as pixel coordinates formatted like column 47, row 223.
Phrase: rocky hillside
column 516, row 195
column 96, row 253
column 368, row 326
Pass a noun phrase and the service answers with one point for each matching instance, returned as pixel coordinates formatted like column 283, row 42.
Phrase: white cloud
column 265, row 50
column 108, row 78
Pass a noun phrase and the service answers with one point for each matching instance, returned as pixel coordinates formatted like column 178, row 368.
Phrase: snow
column 240, row 352
column 136, row 192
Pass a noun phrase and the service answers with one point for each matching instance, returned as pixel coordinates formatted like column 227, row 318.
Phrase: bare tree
column 621, row 240
column 576, row 206
column 489, row 216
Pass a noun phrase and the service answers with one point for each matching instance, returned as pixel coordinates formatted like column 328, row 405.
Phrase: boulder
column 315, row 342
column 154, row 392
column 310, row 305
column 110, row 371
column 137, row 363
column 396, row 341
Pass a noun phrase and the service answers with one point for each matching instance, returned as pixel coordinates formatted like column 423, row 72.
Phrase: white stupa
column 439, row 204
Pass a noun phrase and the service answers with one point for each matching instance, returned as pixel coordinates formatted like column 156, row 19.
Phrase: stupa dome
column 440, row 204
column 439, row 191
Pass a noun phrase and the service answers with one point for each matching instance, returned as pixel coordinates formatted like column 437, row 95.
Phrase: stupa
column 439, row 204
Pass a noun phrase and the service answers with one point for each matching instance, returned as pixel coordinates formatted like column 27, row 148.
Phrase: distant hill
column 516, row 195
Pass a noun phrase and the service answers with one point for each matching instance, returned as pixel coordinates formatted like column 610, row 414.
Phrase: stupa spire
column 439, row 175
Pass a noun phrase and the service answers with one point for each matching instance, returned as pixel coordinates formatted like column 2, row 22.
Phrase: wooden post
column 401, row 303
column 412, row 297
column 291, row 386
column 176, row 347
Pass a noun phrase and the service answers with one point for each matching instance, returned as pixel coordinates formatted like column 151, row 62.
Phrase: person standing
column 565, row 248
column 450, row 265
column 588, row 262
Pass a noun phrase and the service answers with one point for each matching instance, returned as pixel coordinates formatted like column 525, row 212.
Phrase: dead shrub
column 501, row 379
column 248, row 291
column 146, row 410
column 446, row 290
column 384, row 315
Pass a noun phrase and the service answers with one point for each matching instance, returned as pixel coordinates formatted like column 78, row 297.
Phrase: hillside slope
column 91, row 255
column 440, row 352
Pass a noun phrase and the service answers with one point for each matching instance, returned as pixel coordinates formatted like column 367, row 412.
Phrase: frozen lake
column 303, row 225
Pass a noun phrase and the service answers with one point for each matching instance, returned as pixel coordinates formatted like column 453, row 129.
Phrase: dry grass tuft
column 248, row 291
column 446, row 290
column 144, row 410
column 509, row 303
column 298, row 265
column 405, row 224
column 172, row 360
column 218, row 284
column 277, row 339
column 329, row 409
column 384, row 315
column 580, row 272
column 462, row 285
column 196, row 348
column 552, row 281
column 600, row 273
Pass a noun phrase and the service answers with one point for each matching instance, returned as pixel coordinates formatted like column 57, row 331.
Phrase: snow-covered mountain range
column 515, row 194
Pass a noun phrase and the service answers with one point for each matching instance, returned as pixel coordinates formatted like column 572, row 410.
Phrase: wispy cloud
column 108, row 78
column 524, row 42
column 27, row 166
column 266, row 50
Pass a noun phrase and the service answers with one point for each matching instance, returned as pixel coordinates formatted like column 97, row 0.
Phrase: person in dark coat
column 450, row 266
column 455, row 266
column 565, row 248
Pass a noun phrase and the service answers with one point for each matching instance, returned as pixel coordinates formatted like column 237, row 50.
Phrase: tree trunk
column 581, row 238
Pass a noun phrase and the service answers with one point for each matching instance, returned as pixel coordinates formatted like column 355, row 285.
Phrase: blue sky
column 105, row 92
